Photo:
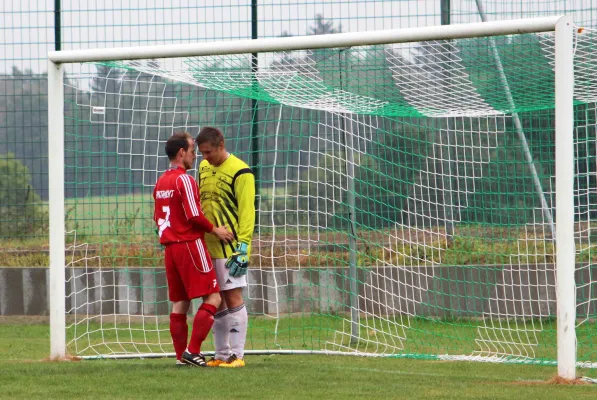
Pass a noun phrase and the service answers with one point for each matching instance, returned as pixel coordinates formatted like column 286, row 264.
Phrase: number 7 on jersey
column 164, row 223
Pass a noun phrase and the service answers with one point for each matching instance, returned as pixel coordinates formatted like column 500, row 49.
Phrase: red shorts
column 189, row 271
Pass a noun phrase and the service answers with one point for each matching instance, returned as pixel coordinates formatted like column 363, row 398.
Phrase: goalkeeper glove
column 238, row 262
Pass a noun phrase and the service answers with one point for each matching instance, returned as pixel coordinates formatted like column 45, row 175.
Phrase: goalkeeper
column 227, row 187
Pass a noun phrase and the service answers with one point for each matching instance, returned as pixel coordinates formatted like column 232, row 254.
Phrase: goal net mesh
column 405, row 196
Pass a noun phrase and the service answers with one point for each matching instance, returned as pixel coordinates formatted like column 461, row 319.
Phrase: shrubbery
column 22, row 212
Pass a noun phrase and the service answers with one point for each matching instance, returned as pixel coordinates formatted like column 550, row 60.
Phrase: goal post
column 565, row 246
column 402, row 252
column 56, row 210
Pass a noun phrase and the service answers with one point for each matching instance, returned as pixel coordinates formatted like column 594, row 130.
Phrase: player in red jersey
column 189, row 271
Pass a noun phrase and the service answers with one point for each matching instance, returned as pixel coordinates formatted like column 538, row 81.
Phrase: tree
column 21, row 211
column 24, row 122
column 323, row 27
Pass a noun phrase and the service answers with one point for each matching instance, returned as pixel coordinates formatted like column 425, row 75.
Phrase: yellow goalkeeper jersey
column 228, row 198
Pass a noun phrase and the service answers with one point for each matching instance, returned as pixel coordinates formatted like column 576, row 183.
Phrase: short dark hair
column 211, row 135
column 177, row 141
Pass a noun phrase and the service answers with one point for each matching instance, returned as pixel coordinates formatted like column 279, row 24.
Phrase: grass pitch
column 25, row 374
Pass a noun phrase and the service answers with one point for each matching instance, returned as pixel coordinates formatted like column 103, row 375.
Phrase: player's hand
column 223, row 234
column 238, row 261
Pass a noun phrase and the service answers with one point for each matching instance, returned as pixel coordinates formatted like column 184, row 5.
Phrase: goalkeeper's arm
column 244, row 190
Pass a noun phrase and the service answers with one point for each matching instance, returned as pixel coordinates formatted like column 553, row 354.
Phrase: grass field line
column 341, row 367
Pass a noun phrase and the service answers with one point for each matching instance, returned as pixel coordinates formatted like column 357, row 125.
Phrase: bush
column 21, row 211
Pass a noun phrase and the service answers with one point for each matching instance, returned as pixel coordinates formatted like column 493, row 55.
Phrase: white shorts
column 225, row 281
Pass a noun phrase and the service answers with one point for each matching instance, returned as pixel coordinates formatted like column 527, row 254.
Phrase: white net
column 405, row 195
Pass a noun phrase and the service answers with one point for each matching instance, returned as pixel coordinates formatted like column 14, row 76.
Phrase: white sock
column 222, row 335
column 237, row 324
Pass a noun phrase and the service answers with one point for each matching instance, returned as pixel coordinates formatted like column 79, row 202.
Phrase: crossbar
column 349, row 39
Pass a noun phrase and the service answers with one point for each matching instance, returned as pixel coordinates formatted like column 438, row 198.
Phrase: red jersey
column 177, row 210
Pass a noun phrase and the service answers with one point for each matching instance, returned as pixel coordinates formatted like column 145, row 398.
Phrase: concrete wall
column 440, row 291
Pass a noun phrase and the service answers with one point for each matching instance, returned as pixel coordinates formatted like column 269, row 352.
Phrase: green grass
column 111, row 215
column 25, row 375
column 121, row 231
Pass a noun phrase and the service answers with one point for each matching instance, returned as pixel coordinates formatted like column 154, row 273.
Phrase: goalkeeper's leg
column 238, row 330
column 221, row 328
column 221, row 337
column 231, row 331
column 238, row 318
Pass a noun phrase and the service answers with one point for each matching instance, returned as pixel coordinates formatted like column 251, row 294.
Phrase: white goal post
column 564, row 146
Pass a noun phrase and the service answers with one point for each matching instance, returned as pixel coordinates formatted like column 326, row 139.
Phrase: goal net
column 405, row 196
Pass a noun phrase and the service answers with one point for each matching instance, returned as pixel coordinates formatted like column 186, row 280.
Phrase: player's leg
column 200, row 281
column 220, row 328
column 237, row 326
column 202, row 324
column 203, row 321
column 179, row 329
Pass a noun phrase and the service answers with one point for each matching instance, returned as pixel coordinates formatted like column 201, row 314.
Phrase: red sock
column 202, row 323
column 180, row 333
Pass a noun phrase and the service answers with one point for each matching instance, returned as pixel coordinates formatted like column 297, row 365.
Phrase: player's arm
column 189, row 193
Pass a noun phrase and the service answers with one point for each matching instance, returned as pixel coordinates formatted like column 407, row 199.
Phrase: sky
column 27, row 26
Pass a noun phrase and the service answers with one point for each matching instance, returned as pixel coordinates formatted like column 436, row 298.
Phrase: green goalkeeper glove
column 238, row 262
